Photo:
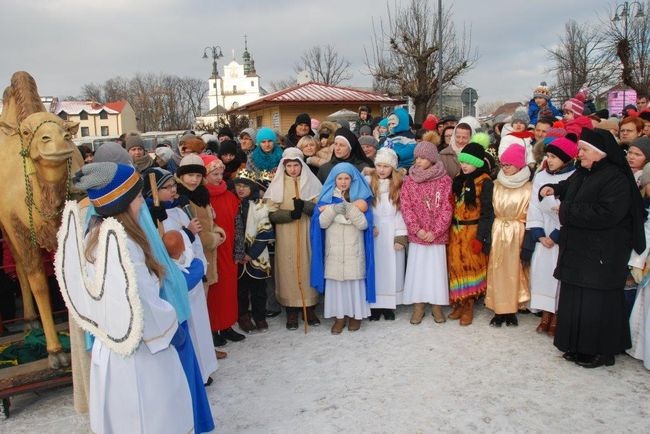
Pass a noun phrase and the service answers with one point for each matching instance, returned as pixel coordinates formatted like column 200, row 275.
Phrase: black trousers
column 252, row 292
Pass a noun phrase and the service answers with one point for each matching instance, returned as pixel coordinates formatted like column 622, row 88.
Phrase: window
column 214, row 85
column 104, row 131
column 234, row 89
column 63, row 115
column 85, row 132
column 252, row 83
column 103, row 115
column 258, row 121
column 83, row 116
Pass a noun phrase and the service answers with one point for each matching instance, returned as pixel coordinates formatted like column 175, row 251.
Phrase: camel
column 37, row 160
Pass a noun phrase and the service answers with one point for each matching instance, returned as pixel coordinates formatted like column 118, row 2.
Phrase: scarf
column 522, row 134
column 436, row 171
column 516, row 180
column 464, row 187
column 266, row 161
column 217, row 190
column 199, row 196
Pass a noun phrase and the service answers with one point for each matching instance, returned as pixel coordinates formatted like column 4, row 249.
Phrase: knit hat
column 227, row 147
column 520, row 115
column 514, row 155
column 112, row 152
column 226, row 131
column 482, row 139
column 563, row 148
column 576, row 105
column 383, row 123
column 430, row 123
column 386, row 156
column 473, row 153
column 210, row 162
column 303, row 118
column 368, row 141
column 164, row 153
column 191, row 163
column 134, row 141
column 162, row 176
column 643, row 143
column 191, row 143
column 111, row 187
column 252, row 133
column 365, row 130
column 542, row 91
column 207, row 138
column 426, row 150
column 266, row 134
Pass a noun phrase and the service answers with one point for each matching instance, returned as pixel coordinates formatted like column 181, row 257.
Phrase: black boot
column 389, row 314
column 511, row 320
column 497, row 320
column 312, row 318
column 232, row 335
column 218, row 340
column 375, row 314
column 292, row 318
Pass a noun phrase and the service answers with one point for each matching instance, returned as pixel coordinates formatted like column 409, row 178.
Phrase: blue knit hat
column 111, row 187
column 266, row 134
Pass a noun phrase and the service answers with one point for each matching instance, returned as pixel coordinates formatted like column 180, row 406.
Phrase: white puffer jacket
column 344, row 251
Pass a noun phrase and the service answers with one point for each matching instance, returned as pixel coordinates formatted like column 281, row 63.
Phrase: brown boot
column 354, row 324
column 221, row 354
column 438, row 316
column 338, row 326
column 553, row 325
column 457, row 311
column 468, row 313
column 544, row 323
column 245, row 323
column 418, row 313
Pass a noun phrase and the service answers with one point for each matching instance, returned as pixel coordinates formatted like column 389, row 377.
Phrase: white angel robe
column 145, row 392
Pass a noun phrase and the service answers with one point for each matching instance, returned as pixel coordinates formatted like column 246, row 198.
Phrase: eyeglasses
column 168, row 187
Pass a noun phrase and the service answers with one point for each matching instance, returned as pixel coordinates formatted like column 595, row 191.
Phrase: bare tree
column 92, row 92
column 406, row 53
column 282, row 84
column 582, row 59
column 324, row 65
column 629, row 38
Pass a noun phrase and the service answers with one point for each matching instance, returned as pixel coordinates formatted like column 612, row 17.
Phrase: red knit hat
column 515, row 155
column 576, row 104
column 563, row 148
column 430, row 123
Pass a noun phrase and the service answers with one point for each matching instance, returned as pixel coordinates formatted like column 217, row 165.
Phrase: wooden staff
column 298, row 246
column 156, row 200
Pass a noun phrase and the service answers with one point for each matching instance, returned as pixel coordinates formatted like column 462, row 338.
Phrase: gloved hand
column 298, row 205
column 476, row 246
column 339, row 208
column 179, row 337
column 158, row 213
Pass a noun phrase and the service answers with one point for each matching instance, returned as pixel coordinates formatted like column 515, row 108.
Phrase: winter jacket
column 596, row 232
column 427, row 205
column 533, row 110
column 344, row 244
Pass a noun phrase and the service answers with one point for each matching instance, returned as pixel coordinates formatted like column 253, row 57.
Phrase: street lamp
column 623, row 11
column 216, row 54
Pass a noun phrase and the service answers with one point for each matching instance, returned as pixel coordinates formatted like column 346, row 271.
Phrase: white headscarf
column 310, row 186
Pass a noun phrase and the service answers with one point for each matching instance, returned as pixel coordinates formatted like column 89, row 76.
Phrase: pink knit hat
column 563, row 148
column 515, row 155
column 576, row 104
column 426, row 150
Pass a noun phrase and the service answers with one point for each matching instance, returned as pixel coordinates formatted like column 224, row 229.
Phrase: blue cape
column 359, row 189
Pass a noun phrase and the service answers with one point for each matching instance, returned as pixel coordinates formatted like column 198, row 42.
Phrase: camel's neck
column 52, row 173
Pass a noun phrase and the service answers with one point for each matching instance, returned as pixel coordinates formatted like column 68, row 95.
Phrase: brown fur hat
column 192, row 143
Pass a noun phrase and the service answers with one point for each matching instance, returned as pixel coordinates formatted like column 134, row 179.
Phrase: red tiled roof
column 318, row 93
column 118, row 106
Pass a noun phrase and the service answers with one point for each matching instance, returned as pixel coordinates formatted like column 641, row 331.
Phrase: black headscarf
column 356, row 154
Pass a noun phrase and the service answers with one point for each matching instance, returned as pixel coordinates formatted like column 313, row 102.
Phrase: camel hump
column 21, row 97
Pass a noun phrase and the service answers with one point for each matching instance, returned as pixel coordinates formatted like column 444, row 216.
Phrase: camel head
column 45, row 136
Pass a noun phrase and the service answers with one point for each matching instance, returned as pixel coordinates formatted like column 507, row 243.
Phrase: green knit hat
column 473, row 153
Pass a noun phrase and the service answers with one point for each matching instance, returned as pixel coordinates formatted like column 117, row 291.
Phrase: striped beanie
column 111, row 187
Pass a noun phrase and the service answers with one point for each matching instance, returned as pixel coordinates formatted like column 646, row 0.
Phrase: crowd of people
column 543, row 214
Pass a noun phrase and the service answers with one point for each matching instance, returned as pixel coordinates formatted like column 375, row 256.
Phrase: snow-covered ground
column 394, row 377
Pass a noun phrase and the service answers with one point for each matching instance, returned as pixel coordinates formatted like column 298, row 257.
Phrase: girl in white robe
column 390, row 235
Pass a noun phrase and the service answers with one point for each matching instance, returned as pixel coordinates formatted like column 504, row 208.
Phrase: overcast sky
column 67, row 43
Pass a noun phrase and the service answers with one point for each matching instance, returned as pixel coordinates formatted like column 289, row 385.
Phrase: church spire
column 249, row 65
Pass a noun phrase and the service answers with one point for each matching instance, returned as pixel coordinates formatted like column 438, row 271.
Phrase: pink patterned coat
column 427, row 205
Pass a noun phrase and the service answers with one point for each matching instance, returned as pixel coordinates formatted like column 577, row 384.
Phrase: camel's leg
column 29, row 312
column 38, row 283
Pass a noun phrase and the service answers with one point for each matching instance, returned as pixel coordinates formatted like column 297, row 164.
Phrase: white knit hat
column 386, row 156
